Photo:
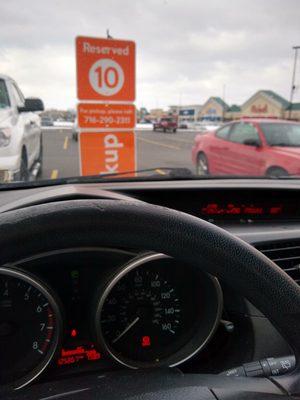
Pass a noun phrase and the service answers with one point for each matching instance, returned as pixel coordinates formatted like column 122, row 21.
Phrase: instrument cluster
column 102, row 308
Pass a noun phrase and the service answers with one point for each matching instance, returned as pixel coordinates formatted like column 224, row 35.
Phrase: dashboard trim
column 69, row 250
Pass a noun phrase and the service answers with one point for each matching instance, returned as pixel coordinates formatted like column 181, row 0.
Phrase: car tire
column 276, row 172
column 24, row 171
column 75, row 136
column 174, row 130
column 202, row 165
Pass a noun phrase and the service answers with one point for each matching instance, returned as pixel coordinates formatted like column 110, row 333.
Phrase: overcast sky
column 186, row 50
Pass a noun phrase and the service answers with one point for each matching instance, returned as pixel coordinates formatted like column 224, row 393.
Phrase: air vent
column 286, row 255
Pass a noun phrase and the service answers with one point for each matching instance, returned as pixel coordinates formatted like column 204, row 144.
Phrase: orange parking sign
column 104, row 116
column 107, row 152
column 105, row 69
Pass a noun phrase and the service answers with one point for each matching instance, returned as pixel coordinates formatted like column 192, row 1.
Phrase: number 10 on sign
column 106, row 77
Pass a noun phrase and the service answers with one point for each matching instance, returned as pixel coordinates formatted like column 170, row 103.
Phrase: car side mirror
column 31, row 105
column 252, row 142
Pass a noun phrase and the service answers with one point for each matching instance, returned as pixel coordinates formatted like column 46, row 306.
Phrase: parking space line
column 160, row 171
column 159, row 144
column 183, row 140
column 54, row 173
column 65, row 146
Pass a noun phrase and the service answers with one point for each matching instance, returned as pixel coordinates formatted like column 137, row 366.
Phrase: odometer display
column 154, row 313
column 29, row 327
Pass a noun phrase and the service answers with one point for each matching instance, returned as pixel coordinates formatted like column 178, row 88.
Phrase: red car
column 256, row 147
column 166, row 125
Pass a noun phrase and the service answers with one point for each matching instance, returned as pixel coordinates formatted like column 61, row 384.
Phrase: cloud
column 186, row 51
column 48, row 73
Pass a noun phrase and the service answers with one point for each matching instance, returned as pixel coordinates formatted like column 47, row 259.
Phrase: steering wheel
column 139, row 225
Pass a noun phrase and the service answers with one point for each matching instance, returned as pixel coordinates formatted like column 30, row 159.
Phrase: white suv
column 20, row 133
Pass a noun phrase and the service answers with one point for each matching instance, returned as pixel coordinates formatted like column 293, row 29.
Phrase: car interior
column 150, row 200
column 154, row 289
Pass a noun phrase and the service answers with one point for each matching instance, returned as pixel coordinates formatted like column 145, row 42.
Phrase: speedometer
column 157, row 312
column 30, row 325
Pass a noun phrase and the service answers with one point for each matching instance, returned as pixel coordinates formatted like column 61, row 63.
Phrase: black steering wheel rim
column 139, row 225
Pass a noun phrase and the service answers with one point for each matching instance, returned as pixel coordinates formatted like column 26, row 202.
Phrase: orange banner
column 103, row 116
column 107, row 152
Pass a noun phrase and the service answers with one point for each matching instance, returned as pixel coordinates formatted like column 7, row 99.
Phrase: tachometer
column 30, row 325
column 157, row 312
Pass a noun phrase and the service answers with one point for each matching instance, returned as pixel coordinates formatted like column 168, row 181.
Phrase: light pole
column 293, row 87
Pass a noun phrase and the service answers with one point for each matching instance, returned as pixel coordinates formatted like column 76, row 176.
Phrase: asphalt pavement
column 154, row 150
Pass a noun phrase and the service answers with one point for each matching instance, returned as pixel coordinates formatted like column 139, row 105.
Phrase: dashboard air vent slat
column 286, row 255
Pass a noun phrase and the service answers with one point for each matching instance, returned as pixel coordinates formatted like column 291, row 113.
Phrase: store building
column 214, row 109
column 233, row 112
column 293, row 112
column 189, row 114
column 265, row 103
column 155, row 114
column 262, row 104
column 186, row 114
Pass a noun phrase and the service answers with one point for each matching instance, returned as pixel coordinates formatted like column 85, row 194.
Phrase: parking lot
column 154, row 150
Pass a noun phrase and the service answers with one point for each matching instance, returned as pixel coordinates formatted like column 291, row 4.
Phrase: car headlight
column 5, row 136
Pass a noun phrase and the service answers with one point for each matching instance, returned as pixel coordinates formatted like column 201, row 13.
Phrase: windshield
column 156, row 89
column 282, row 134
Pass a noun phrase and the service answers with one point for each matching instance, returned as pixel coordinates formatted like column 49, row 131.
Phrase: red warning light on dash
column 146, row 341
column 78, row 354
column 73, row 333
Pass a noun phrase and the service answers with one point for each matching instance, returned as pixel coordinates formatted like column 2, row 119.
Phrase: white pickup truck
column 20, row 133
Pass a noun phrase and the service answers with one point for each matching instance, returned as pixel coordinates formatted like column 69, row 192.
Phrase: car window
column 19, row 99
column 4, row 99
column 223, row 133
column 281, row 134
column 242, row 132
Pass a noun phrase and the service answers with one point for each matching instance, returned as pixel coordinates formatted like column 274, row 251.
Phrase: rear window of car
column 4, row 99
column 281, row 134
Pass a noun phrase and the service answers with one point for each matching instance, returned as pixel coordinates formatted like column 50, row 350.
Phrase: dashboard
column 80, row 310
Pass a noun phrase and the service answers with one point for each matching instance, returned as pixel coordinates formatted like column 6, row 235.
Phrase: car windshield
column 157, row 89
column 282, row 134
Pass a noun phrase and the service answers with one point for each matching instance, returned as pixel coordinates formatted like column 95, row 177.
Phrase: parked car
column 46, row 121
column 203, row 126
column 166, row 125
column 259, row 147
column 20, row 132
column 75, row 130
column 184, row 124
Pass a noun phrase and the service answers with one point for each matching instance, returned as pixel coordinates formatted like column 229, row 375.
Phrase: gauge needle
column 126, row 329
